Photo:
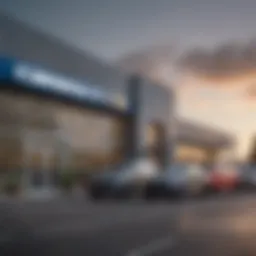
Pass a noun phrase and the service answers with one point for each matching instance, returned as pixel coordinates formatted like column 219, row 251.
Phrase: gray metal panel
column 21, row 41
column 156, row 105
column 202, row 135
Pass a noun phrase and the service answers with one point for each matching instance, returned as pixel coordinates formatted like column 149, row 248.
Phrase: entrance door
column 41, row 161
column 157, row 143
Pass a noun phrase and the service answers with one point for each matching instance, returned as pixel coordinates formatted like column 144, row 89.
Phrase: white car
column 247, row 177
column 180, row 180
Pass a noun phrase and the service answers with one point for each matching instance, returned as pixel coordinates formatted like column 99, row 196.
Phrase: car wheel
column 97, row 194
column 148, row 195
column 194, row 190
column 208, row 191
column 122, row 195
column 246, row 187
column 153, row 193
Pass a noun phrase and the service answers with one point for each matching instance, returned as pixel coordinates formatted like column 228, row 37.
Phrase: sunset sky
column 210, row 44
column 229, row 108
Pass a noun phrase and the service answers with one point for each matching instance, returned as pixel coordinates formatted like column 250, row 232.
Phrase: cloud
column 156, row 62
column 226, row 61
column 232, row 61
column 145, row 60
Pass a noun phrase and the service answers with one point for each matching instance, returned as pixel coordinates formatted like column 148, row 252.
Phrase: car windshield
column 178, row 170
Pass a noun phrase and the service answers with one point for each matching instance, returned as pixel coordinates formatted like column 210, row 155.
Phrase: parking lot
column 79, row 227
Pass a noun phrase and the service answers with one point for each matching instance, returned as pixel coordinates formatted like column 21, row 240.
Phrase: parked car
column 178, row 181
column 125, row 181
column 247, row 178
column 223, row 178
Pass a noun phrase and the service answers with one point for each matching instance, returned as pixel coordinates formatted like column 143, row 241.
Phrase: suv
column 124, row 181
column 247, row 178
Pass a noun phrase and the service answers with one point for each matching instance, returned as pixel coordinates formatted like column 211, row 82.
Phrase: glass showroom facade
column 41, row 136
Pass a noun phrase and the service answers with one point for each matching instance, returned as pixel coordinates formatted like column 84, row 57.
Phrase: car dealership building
column 61, row 109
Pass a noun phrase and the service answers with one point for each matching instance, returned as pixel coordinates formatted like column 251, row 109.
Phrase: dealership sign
column 34, row 77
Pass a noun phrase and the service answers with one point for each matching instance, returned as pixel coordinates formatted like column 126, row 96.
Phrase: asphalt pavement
column 210, row 226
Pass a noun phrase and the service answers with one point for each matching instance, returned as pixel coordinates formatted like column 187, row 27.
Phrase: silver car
column 179, row 180
column 247, row 178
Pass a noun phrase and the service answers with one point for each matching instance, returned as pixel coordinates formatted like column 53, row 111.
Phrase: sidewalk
column 35, row 196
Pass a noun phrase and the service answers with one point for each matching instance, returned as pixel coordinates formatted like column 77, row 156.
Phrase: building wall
column 153, row 102
column 155, row 106
column 197, row 134
column 200, row 143
column 20, row 41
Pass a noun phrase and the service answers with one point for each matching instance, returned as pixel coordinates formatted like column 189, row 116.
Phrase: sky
column 111, row 28
column 212, row 48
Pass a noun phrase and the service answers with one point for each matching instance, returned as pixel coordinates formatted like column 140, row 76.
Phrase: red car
column 223, row 178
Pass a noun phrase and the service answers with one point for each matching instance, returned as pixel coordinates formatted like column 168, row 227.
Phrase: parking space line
column 153, row 247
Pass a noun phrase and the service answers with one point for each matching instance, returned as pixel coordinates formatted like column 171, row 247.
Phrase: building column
column 134, row 108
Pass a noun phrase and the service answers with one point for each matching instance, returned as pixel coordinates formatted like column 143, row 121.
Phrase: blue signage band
column 34, row 77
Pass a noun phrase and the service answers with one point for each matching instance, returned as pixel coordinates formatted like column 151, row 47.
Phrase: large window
column 10, row 153
column 44, row 134
column 96, row 139
column 193, row 153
